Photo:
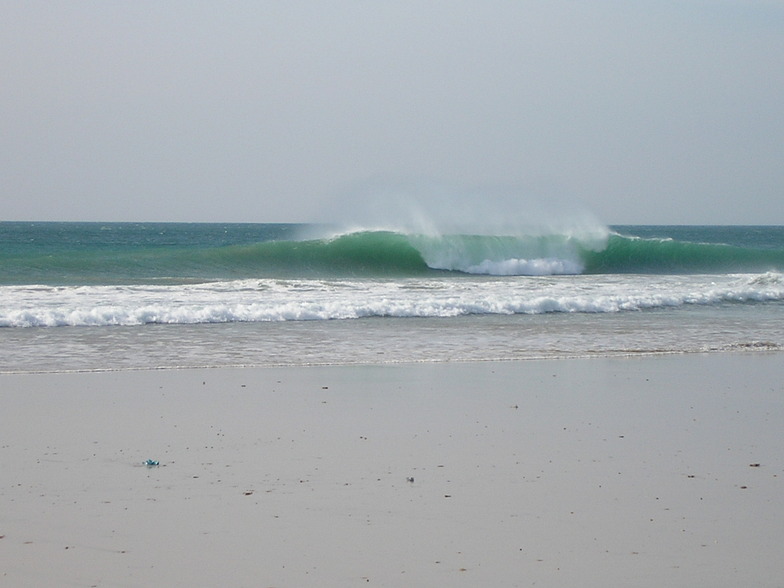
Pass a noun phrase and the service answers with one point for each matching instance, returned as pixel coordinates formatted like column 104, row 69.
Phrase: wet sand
column 644, row 471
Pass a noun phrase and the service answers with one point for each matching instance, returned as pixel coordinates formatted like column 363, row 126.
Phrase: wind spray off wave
column 479, row 232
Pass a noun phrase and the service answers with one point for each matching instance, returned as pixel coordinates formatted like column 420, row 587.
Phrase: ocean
column 108, row 296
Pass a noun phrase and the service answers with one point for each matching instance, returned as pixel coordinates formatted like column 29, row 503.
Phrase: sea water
column 97, row 296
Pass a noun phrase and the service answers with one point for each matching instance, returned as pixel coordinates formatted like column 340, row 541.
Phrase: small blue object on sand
column 150, row 463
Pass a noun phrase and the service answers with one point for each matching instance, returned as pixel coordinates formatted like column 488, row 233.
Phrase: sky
column 633, row 111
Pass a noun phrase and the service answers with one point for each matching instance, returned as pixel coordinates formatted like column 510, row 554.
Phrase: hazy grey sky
column 638, row 111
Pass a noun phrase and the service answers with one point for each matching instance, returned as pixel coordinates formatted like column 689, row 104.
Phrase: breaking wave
column 393, row 254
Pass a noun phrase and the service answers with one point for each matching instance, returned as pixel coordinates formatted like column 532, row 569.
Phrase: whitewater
column 318, row 299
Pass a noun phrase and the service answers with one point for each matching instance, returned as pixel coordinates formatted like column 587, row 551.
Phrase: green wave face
column 361, row 253
column 635, row 255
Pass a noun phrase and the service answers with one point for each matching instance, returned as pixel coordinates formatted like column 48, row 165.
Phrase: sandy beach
column 651, row 471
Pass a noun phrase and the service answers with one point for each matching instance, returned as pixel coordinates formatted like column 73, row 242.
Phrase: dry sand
column 656, row 471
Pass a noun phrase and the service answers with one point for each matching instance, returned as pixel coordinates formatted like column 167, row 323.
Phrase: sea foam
column 303, row 300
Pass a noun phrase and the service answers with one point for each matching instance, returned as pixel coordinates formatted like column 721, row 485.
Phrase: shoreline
column 635, row 471
column 746, row 349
